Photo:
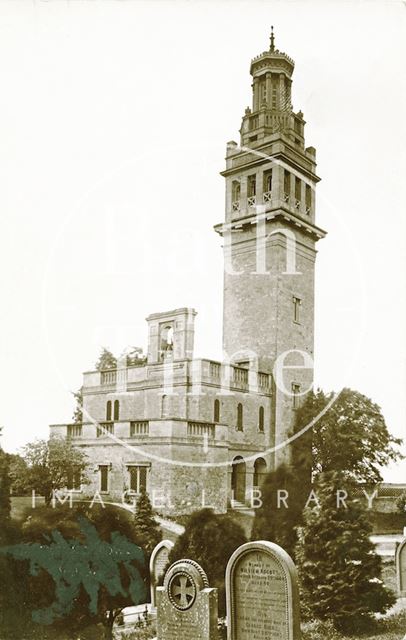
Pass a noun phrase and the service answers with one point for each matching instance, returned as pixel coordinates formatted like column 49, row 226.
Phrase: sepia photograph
column 203, row 326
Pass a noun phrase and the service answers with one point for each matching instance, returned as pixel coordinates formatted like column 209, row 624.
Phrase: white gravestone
column 262, row 594
column 157, row 565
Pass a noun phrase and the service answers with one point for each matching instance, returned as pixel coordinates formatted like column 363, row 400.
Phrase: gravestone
column 400, row 561
column 157, row 565
column 187, row 608
column 262, row 594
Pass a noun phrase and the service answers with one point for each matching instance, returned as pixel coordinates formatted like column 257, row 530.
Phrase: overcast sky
column 114, row 118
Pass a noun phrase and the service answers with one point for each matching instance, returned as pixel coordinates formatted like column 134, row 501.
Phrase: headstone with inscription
column 187, row 608
column 400, row 561
column 157, row 565
column 262, row 594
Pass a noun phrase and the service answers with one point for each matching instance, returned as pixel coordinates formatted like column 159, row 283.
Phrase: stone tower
column 269, row 238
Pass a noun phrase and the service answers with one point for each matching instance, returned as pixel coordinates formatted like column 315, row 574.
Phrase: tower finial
column 272, row 47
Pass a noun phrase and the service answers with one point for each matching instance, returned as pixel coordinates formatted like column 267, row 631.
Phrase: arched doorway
column 238, row 479
column 259, row 472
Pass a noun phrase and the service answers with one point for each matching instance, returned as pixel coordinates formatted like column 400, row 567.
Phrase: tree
column 283, row 499
column 284, row 493
column 5, row 504
column 52, row 464
column 18, row 475
column 340, row 572
column 351, row 436
column 106, row 360
column 77, row 416
column 210, row 540
column 147, row 529
column 83, row 566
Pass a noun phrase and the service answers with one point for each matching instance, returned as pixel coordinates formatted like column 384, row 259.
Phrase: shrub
column 210, row 540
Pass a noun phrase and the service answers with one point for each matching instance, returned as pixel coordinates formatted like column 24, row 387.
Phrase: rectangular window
column 252, row 183
column 295, row 394
column 286, row 183
column 308, row 198
column 104, row 478
column 74, row 480
column 268, row 181
column 296, row 309
column 298, row 189
column 236, row 190
column 138, row 478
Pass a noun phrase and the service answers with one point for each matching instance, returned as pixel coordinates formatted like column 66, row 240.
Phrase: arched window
column 116, row 410
column 261, row 414
column 217, row 410
column 239, row 417
column 108, row 411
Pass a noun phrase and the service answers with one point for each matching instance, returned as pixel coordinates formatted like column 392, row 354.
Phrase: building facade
column 196, row 432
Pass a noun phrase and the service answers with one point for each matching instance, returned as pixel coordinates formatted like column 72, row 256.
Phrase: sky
column 114, row 119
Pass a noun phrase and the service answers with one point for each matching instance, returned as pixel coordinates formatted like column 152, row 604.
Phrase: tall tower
column 269, row 238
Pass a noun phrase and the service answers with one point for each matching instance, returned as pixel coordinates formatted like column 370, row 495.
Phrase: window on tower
column 298, row 189
column 267, row 185
column 308, row 198
column 240, row 425
column 104, row 478
column 252, row 185
column 116, row 410
column 295, row 394
column 108, row 411
column 286, row 184
column 296, row 309
column 236, row 190
column 261, row 421
column 216, row 410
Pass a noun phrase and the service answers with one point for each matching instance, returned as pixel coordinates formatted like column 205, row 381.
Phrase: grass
column 392, row 627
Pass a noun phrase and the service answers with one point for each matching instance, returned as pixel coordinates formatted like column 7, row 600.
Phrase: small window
column 252, row 184
column 104, row 478
column 239, row 417
column 108, row 411
column 308, row 198
column 138, row 478
column 298, row 189
column 236, row 190
column 116, row 410
column 286, row 182
column 296, row 309
column 295, row 394
column 268, row 181
column 217, row 410
column 261, row 420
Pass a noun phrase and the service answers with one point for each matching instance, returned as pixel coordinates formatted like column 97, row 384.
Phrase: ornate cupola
column 271, row 109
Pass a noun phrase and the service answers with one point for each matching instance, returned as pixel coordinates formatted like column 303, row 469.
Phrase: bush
column 210, row 540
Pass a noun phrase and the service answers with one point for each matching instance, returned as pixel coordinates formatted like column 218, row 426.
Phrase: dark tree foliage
column 273, row 520
column 147, row 528
column 77, row 416
column 340, row 573
column 18, row 475
column 81, row 567
column 51, row 464
column 351, row 436
column 5, row 504
column 106, row 360
column 210, row 540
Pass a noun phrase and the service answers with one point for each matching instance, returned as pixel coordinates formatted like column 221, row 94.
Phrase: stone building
column 196, row 432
